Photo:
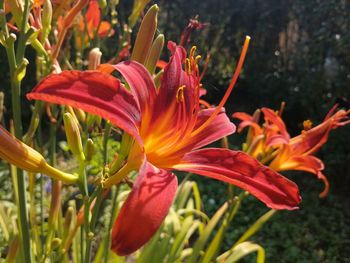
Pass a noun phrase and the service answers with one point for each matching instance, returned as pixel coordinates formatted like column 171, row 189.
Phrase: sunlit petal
column 144, row 210
column 94, row 92
column 240, row 169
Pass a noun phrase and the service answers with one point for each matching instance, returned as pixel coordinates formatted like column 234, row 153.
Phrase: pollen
column 180, row 93
column 307, row 125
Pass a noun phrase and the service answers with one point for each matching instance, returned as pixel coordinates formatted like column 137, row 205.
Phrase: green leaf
column 204, row 237
column 242, row 250
column 256, row 226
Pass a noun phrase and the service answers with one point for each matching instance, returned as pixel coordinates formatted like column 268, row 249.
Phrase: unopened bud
column 80, row 114
column 94, row 58
column 89, row 149
column 46, row 18
column 68, row 218
column 144, row 38
column 154, row 54
column 73, row 136
column 26, row 158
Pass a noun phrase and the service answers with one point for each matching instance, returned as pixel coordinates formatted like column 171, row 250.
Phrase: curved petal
column 140, row 82
column 277, row 125
column 217, row 129
column 246, row 121
column 144, row 210
column 240, row 169
column 94, row 92
column 310, row 164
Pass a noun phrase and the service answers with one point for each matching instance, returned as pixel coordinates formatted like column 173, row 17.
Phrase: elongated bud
column 94, row 58
column 145, row 35
column 89, row 150
column 46, row 18
column 68, row 218
column 154, row 54
column 80, row 114
column 26, row 158
column 73, row 136
column 137, row 8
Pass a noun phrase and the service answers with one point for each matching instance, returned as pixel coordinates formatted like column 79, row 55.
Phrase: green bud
column 73, row 136
column 154, row 54
column 89, row 149
column 144, row 38
column 46, row 18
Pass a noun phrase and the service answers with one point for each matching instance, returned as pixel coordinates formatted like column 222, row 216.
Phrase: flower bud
column 80, row 114
column 46, row 18
column 73, row 136
column 26, row 158
column 154, row 54
column 145, row 35
column 89, row 149
column 94, row 58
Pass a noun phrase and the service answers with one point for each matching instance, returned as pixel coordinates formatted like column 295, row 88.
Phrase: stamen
column 188, row 66
column 192, row 51
column 229, row 89
column 180, row 93
column 198, row 57
column 283, row 105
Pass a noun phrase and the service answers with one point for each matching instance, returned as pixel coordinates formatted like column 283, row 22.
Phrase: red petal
column 276, row 124
column 94, row 92
column 247, row 120
column 140, row 82
column 240, row 169
column 144, row 210
column 217, row 129
column 176, row 108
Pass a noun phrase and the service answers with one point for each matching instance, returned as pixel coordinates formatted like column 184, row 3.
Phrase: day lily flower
column 298, row 152
column 169, row 128
column 261, row 140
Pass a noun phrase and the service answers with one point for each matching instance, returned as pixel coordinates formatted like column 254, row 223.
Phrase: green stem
column 115, row 191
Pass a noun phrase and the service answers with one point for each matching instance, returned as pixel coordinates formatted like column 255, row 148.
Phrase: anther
column 188, row 66
column 192, row 51
column 180, row 93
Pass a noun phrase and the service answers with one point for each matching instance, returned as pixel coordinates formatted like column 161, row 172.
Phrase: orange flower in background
column 93, row 25
column 298, row 152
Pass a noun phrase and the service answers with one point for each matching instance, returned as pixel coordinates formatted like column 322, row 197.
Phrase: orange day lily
column 169, row 128
column 298, row 152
